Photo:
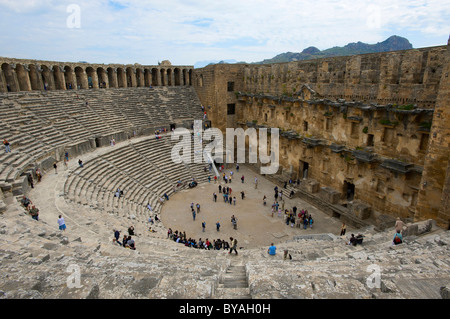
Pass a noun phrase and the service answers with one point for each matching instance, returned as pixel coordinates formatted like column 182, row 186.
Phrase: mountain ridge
column 393, row 43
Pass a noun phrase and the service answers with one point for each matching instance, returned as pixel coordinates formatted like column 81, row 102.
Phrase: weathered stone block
column 397, row 166
column 311, row 186
column 360, row 209
column 330, row 195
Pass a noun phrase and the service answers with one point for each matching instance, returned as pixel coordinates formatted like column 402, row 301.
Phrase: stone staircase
column 233, row 284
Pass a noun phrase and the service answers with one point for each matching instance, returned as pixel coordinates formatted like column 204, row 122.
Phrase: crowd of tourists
column 216, row 244
column 302, row 219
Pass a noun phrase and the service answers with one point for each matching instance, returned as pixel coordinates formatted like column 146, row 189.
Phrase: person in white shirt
column 61, row 223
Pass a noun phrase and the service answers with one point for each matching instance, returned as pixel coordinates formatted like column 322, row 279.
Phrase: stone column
column 2, row 82
column 133, row 78
column 51, row 80
column 26, row 78
column 158, row 77
column 163, row 77
column 106, row 80
column 172, row 77
column 186, row 79
column 14, row 77
column 115, row 82
column 60, row 81
column 141, row 81
column 39, row 79
column 73, row 79
column 83, row 79
column 147, row 77
column 123, row 78
column 94, row 77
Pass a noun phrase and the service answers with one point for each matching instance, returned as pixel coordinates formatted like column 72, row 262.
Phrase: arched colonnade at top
column 25, row 75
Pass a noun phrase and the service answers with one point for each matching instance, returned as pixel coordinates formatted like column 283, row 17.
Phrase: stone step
column 232, row 293
column 235, row 277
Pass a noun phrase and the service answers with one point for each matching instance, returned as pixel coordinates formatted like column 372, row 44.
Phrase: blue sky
column 187, row 31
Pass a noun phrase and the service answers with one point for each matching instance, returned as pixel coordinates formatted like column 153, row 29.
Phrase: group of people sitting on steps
column 30, row 208
column 158, row 133
column 127, row 241
column 216, row 244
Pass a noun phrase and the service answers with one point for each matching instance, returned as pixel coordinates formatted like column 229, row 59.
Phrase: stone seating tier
column 321, row 266
column 40, row 125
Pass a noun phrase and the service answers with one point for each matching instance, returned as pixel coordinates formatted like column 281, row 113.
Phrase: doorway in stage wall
column 303, row 169
column 349, row 190
column 172, row 127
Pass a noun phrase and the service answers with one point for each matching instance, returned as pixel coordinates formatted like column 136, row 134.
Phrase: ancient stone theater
column 364, row 143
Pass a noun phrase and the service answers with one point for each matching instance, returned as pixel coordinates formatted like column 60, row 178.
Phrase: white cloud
column 186, row 31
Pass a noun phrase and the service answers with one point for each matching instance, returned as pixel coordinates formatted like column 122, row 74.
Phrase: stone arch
column 58, row 78
column 140, row 79
column 177, row 76
column 69, row 78
column 102, row 78
column 121, row 78
column 10, row 78
column 91, row 78
column 147, row 77
column 112, row 77
column 163, row 77
column 131, row 77
column 169, row 77
column 155, row 77
column 184, row 78
column 23, row 78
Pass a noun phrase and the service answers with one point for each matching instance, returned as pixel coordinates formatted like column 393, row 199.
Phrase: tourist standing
column 399, row 224
column 7, row 145
column 233, row 245
column 38, row 175
column 234, row 222
column 61, row 223
column 343, row 229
